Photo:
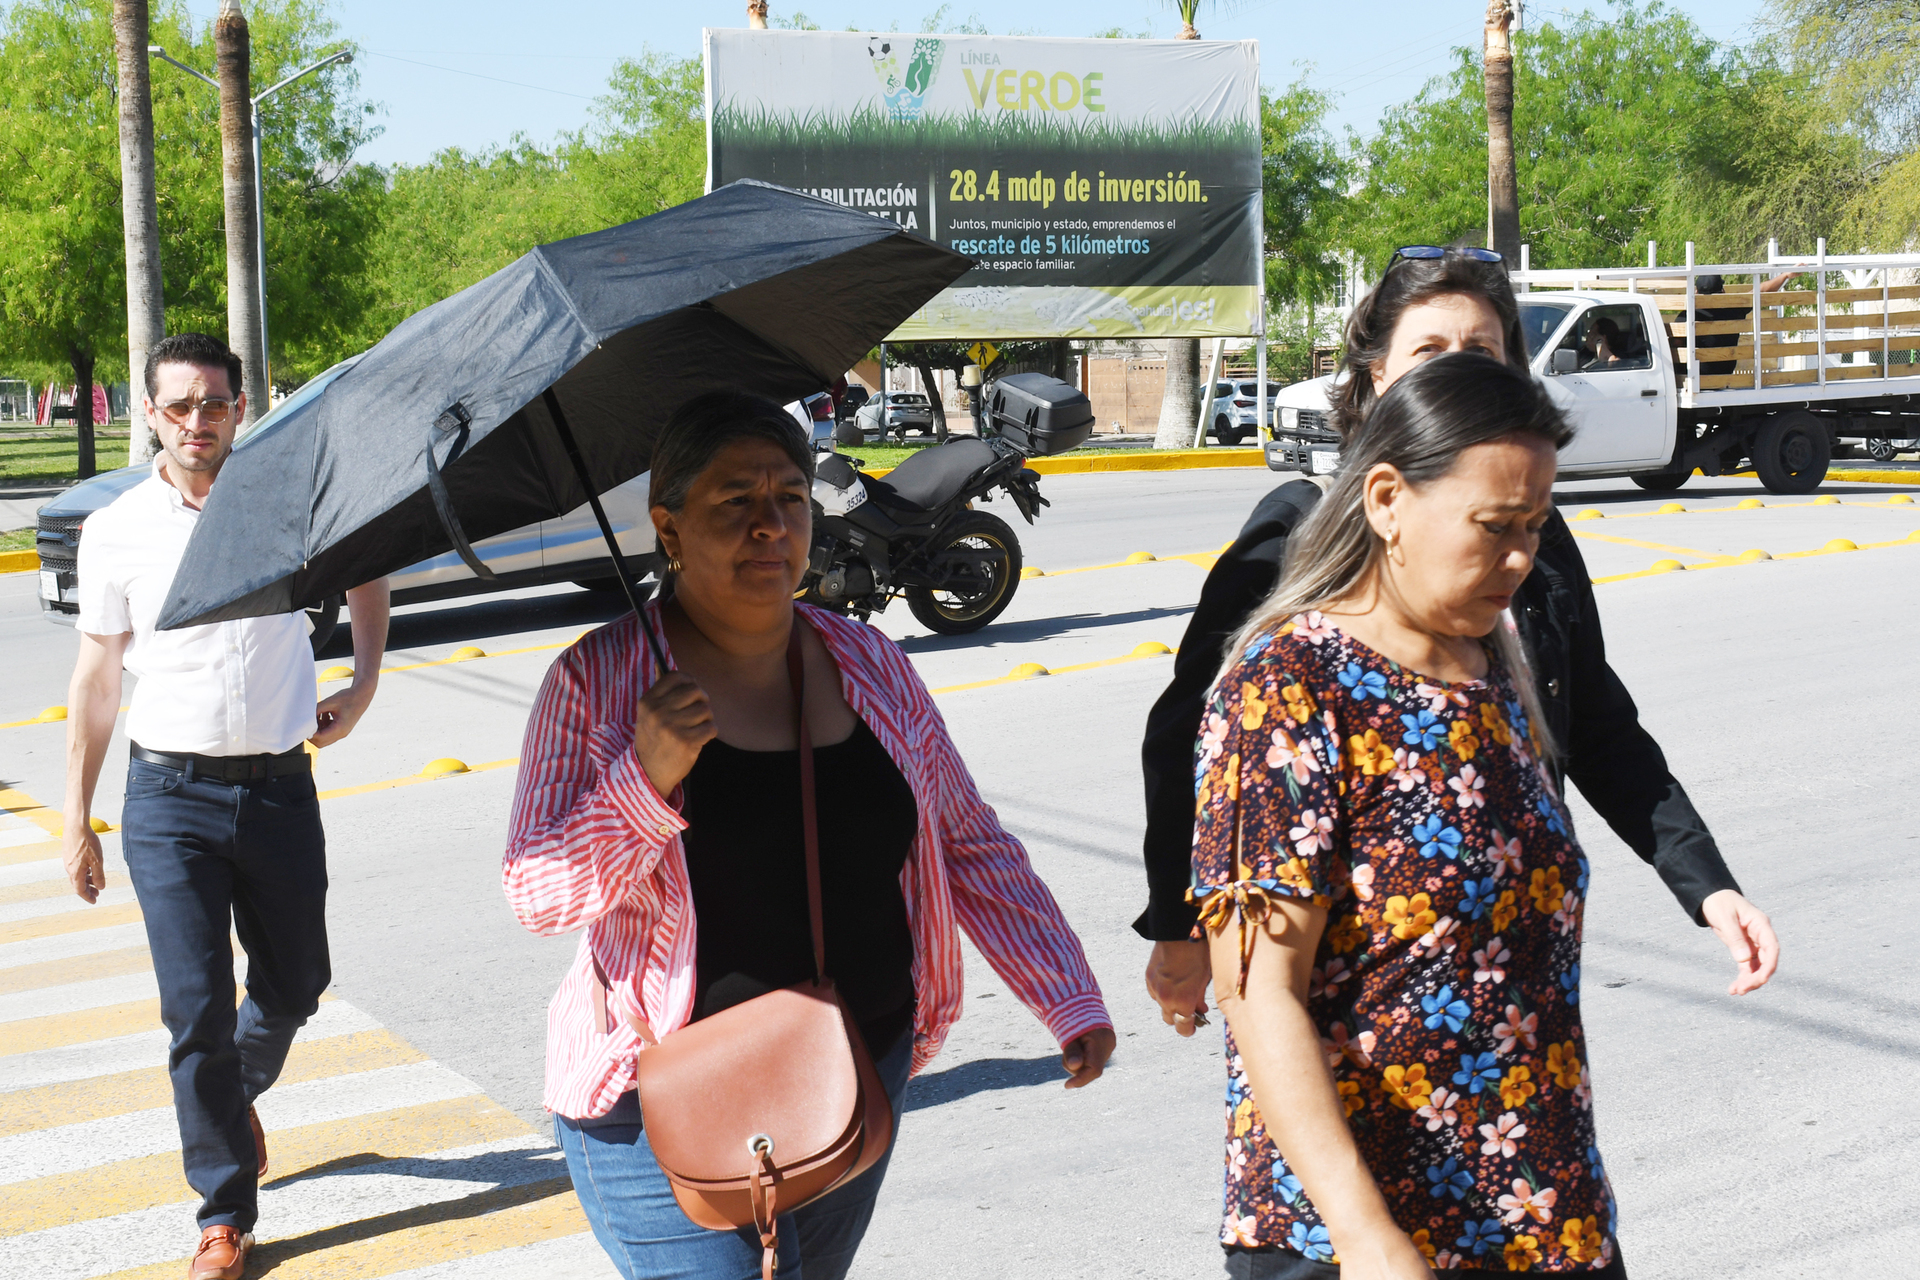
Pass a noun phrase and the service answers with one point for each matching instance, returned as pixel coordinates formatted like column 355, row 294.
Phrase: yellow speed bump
column 1671, row 508
column 1750, row 556
column 1139, row 557
column 1826, row 500
column 1900, row 500
column 336, row 673
column 99, row 825
column 466, row 653
column 1748, row 504
column 1590, row 514
column 1150, row 649
column 1666, row 566
column 1027, row 670
column 52, row 714
column 1840, row 544
column 445, row 766
column 1031, row 572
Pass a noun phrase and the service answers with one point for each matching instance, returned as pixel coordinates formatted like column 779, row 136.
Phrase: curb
column 1908, row 478
column 1163, row 460
column 19, row 561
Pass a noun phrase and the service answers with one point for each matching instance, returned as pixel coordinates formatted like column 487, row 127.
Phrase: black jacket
column 1615, row 763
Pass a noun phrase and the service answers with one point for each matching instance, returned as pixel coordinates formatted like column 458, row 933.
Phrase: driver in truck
column 1428, row 304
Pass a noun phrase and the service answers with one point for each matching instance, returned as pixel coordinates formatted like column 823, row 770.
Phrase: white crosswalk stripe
column 385, row 1163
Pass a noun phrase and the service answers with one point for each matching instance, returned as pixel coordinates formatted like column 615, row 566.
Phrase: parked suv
column 568, row 549
column 905, row 411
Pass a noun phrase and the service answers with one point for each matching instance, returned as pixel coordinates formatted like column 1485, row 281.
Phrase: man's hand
column 1085, row 1056
column 336, row 716
column 1749, row 937
column 1177, row 975
column 80, row 850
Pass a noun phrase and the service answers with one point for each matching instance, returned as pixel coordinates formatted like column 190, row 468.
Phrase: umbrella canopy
column 454, row 427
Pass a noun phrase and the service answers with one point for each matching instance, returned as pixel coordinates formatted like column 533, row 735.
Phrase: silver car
column 569, row 549
column 904, row 411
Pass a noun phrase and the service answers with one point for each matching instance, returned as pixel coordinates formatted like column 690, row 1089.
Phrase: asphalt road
column 1764, row 1136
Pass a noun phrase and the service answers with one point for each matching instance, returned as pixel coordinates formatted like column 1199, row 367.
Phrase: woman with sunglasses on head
column 1433, row 301
column 659, row 812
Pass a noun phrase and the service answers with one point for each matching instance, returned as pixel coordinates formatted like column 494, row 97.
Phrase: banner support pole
column 1260, row 431
column 1206, row 393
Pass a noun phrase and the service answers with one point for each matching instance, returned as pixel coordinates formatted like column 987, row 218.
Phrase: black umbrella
column 543, row 386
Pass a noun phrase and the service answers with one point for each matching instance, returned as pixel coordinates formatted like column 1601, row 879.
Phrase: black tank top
column 746, row 858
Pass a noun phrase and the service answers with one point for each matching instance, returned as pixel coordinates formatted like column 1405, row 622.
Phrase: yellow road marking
column 69, row 922
column 35, row 891
column 1731, row 563
column 128, row 1091
column 412, row 779
column 57, row 1030
column 411, row 1238
column 1052, row 671
column 55, row 973
column 143, row 1182
column 19, row 802
column 1650, row 546
column 29, row 853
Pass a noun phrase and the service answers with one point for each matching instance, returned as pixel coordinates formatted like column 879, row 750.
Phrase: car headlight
column 1290, row 418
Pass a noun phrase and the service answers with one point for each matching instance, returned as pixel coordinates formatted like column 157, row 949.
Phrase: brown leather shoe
column 222, row 1254
column 259, row 1140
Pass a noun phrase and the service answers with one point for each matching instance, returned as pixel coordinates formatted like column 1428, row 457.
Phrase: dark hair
column 201, row 349
column 1408, row 283
column 706, row 424
column 1421, row 426
column 1709, row 284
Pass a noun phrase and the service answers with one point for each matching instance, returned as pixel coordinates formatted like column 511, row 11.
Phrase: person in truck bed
column 1714, row 285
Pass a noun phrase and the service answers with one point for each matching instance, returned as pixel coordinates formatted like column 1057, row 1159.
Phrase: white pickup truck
column 1622, row 352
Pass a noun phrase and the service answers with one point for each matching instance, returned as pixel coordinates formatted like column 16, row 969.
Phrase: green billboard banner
column 1106, row 188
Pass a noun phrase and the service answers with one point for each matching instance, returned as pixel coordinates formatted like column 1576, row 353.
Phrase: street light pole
column 259, row 188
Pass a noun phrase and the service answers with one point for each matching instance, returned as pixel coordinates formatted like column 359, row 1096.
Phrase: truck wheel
column 1791, row 452
column 1662, row 481
column 325, row 619
column 955, row 613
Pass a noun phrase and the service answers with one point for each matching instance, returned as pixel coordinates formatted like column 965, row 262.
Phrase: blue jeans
column 630, row 1204
column 202, row 854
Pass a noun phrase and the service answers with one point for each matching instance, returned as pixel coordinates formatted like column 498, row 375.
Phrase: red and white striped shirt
column 593, row 846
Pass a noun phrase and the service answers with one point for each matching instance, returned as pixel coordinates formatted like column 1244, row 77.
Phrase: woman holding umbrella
column 658, row 809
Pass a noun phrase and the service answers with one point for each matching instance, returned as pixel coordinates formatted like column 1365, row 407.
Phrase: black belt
column 229, row 768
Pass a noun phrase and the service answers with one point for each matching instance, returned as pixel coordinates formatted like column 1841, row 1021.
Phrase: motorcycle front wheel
column 954, row 613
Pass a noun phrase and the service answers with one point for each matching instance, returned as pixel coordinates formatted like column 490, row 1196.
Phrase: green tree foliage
column 62, row 260
column 461, row 217
column 1304, row 179
column 1628, row 127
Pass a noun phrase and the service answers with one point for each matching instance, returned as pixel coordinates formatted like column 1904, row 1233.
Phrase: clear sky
column 472, row 73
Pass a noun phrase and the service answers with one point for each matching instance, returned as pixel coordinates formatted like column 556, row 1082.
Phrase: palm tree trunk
column 83, row 362
column 932, row 385
column 140, row 217
column 757, row 15
column 1503, row 188
column 233, row 56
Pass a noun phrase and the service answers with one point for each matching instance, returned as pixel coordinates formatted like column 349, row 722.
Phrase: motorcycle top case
column 1040, row 415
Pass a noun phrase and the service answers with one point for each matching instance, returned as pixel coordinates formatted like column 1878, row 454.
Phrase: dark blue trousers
column 205, row 856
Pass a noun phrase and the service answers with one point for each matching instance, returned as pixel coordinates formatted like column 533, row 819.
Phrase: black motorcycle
column 914, row 533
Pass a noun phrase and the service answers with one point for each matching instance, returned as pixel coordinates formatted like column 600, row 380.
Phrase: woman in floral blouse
column 1388, row 877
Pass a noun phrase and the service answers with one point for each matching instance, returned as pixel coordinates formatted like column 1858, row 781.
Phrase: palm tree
column 1503, row 187
column 146, row 304
column 1180, row 403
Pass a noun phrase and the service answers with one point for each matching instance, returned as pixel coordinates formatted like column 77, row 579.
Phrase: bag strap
column 810, row 830
column 809, row 822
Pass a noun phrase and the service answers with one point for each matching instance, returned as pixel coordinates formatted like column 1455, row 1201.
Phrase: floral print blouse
column 1446, row 986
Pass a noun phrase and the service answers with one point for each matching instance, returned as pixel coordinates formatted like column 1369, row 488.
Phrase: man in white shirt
column 221, row 827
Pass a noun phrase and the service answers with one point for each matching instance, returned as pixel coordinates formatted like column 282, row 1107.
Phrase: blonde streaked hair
column 1420, row 427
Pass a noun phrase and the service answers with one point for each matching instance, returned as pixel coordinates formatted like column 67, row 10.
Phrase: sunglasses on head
column 1428, row 252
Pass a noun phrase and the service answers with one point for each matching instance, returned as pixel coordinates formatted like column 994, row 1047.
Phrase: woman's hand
column 1749, row 937
column 1085, row 1056
column 671, row 722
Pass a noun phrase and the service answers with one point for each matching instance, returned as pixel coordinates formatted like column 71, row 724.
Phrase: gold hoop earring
column 674, row 565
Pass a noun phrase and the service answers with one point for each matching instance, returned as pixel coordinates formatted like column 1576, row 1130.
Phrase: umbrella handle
column 621, row 571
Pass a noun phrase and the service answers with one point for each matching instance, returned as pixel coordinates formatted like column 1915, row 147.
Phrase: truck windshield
column 1538, row 319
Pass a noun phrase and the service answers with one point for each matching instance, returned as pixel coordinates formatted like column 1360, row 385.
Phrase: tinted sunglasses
column 213, row 411
column 1431, row 251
